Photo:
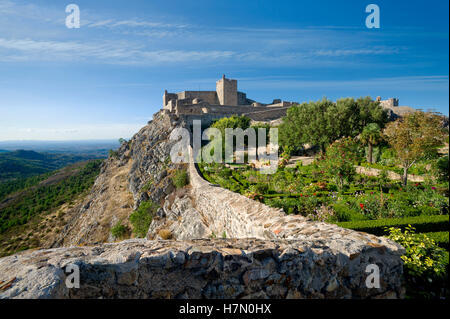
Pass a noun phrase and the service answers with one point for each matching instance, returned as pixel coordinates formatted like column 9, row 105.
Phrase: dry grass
column 165, row 234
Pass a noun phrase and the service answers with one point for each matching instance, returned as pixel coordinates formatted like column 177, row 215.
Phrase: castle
column 225, row 101
column 389, row 103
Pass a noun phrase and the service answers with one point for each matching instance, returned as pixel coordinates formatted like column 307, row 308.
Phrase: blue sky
column 106, row 79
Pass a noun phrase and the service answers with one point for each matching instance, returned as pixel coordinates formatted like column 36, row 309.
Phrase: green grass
column 423, row 224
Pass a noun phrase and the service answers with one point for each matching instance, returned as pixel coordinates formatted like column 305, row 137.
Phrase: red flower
column 315, row 194
column 361, row 205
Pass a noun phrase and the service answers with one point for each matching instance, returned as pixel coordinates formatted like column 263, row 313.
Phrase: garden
column 413, row 212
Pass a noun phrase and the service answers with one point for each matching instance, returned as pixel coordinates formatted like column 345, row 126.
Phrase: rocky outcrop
column 138, row 171
column 220, row 268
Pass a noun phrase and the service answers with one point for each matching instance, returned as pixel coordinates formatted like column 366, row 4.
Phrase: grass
column 180, row 178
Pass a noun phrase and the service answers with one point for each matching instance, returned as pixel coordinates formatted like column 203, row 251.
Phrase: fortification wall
column 266, row 254
column 268, row 115
column 231, row 214
column 207, row 96
column 215, row 268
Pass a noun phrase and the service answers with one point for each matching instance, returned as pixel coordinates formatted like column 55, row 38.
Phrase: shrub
column 260, row 188
column 440, row 169
column 344, row 212
column 387, row 156
column 113, row 154
column 165, row 234
column 422, row 255
column 339, row 161
column 119, row 230
column 142, row 218
column 423, row 224
column 180, row 178
column 323, row 214
column 308, row 204
column 425, row 264
column 441, row 238
column 289, row 205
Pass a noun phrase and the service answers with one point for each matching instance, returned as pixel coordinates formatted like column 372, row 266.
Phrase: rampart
column 266, row 254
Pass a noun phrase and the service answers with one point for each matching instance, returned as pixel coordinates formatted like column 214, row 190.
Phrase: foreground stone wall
column 220, row 268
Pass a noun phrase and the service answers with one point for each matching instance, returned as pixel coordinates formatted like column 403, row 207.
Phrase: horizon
column 106, row 79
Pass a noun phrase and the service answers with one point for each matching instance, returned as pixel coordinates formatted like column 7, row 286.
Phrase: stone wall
column 219, row 268
column 207, row 96
column 227, row 91
column 265, row 254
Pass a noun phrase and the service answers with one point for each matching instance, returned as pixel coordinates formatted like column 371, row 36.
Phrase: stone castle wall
column 227, row 91
column 266, row 254
column 207, row 96
column 214, row 268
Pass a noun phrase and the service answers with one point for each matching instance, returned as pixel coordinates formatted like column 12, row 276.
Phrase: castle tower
column 227, row 91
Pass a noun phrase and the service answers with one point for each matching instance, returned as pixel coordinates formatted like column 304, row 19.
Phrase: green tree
column 233, row 122
column 306, row 123
column 322, row 122
column 371, row 135
column 338, row 162
column 414, row 137
column 370, row 111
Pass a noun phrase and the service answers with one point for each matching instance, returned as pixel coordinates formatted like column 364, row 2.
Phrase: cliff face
column 139, row 171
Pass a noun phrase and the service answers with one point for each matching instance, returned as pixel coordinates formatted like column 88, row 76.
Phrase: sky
column 106, row 79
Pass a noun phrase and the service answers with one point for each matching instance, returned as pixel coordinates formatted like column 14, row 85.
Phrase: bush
column 440, row 169
column 422, row 254
column 345, row 213
column 119, row 230
column 260, row 188
column 165, row 234
column 113, row 154
column 142, row 218
column 423, row 224
column 425, row 263
column 441, row 238
column 180, row 178
column 289, row 205
column 339, row 161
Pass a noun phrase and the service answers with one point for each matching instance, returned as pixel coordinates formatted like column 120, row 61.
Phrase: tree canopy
column 324, row 121
column 413, row 137
column 371, row 135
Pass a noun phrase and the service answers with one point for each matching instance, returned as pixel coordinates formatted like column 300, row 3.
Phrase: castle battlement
column 226, row 100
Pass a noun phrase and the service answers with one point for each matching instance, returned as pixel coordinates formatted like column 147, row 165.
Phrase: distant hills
column 24, row 163
column 90, row 147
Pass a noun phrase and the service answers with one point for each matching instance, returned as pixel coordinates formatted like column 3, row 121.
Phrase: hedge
column 423, row 224
column 441, row 238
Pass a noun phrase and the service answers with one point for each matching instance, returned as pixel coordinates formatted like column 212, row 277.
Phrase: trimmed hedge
column 441, row 238
column 423, row 224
